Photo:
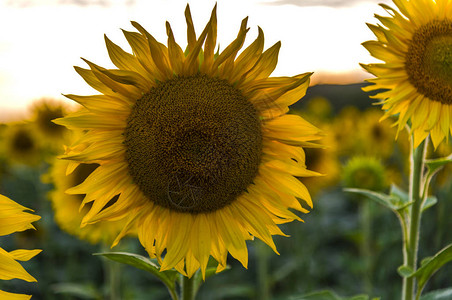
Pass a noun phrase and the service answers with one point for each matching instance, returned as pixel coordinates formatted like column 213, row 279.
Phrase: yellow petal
column 11, row 269
column 24, row 255
column 13, row 296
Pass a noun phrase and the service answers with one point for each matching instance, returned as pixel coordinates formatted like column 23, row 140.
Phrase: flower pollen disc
column 429, row 60
column 193, row 144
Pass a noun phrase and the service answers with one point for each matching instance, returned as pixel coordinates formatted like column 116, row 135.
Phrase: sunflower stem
column 112, row 275
column 263, row 279
column 188, row 288
column 411, row 244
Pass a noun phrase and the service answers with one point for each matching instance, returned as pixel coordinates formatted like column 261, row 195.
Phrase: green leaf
column 429, row 202
column 380, row 198
column 431, row 265
column 405, row 271
column 445, row 294
column 399, row 198
column 143, row 263
column 328, row 295
column 435, row 164
column 399, row 194
column 83, row 291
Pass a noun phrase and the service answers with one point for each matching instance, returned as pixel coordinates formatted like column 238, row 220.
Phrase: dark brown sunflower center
column 193, row 144
column 429, row 60
column 22, row 141
column 45, row 123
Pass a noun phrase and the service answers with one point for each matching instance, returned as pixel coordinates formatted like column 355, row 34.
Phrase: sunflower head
column 21, row 145
column 196, row 145
column 43, row 112
column 364, row 172
column 415, row 43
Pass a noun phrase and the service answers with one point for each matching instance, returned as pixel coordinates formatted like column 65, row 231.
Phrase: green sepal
column 140, row 262
column 79, row 290
column 405, row 271
column 444, row 294
column 432, row 264
column 329, row 295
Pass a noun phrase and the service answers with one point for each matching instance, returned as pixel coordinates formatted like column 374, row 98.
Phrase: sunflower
column 197, row 145
column 43, row 112
column 364, row 172
column 415, row 43
column 20, row 144
column 374, row 137
column 14, row 218
column 66, row 206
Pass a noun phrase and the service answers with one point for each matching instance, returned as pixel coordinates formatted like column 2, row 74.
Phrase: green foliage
column 430, row 265
column 82, row 291
column 167, row 277
column 393, row 202
column 445, row 294
column 140, row 262
column 329, row 295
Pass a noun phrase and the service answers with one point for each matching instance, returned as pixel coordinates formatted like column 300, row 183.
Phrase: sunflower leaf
column 400, row 194
column 405, row 271
column 329, row 295
column 435, row 164
column 383, row 199
column 82, row 291
column 429, row 202
column 143, row 263
column 432, row 264
column 443, row 294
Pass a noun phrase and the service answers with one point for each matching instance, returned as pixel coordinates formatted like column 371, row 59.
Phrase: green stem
column 262, row 270
column 112, row 275
column 412, row 243
column 188, row 288
column 366, row 248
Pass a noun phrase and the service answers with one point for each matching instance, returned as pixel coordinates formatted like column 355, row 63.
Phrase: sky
column 41, row 40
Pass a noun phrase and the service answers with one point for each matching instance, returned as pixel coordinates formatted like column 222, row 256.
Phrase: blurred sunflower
column 14, row 218
column 197, row 145
column 364, row 172
column 325, row 161
column 66, row 207
column 344, row 127
column 374, row 137
column 415, row 43
column 43, row 112
column 20, row 144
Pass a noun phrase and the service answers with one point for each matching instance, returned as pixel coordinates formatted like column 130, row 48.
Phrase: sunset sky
column 41, row 40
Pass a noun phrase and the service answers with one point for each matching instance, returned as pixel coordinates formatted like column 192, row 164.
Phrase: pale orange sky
column 41, row 40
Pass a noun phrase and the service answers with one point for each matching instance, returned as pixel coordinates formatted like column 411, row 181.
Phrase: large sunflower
column 415, row 43
column 13, row 218
column 196, row 144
